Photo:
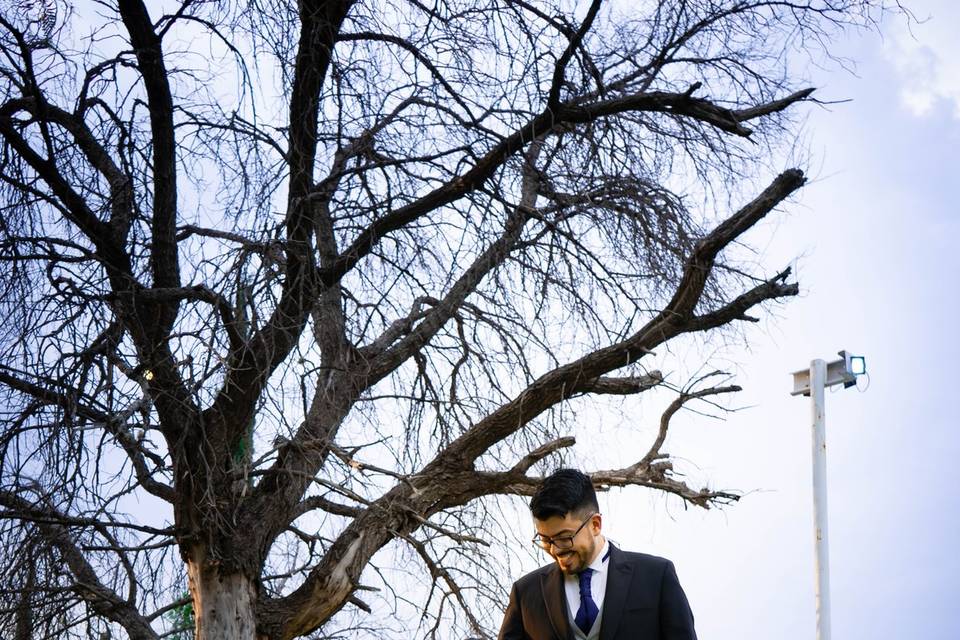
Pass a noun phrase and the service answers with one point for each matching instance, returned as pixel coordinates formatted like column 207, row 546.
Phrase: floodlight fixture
column 858, row 365
column 843, row 371
column 812, row 382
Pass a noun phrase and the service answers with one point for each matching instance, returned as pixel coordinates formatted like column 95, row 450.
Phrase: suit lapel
column 555, row 601
column 618, row 583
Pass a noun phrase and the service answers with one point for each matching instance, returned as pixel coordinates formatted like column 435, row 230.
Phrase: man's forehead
column 557, row 524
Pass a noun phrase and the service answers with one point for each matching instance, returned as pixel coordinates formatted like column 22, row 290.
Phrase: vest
column 594, row 630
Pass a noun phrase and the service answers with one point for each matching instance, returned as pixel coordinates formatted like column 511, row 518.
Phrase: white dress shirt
column 598, row 581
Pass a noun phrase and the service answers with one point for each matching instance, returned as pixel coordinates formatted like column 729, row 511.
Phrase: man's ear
column 596, row 523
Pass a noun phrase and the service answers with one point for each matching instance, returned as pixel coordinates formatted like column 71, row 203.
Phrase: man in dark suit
column 593, row 591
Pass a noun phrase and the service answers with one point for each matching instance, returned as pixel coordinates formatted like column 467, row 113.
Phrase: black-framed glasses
column 560, row 542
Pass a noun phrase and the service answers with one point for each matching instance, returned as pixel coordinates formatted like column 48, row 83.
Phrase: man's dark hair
column 565, row 491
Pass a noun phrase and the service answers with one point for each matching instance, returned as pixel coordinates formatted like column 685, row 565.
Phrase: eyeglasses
column 560, row 542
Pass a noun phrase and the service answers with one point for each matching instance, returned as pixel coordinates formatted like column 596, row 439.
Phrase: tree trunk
column 224, row 604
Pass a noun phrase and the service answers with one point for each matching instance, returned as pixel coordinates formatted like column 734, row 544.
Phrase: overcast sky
column 875, row 233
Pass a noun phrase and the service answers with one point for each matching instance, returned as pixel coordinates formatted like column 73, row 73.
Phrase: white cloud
column 927, row 57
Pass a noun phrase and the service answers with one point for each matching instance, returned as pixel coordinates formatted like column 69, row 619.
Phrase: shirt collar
column 602, row 561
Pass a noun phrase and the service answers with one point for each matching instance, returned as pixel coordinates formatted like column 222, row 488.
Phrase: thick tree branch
column 553, row 97
column 736, row 309
column 743, row 115
column 678, row 104
column 656, row 477
column 163, row 225
column 323, row 504
column 623, row 386
column 541, row 452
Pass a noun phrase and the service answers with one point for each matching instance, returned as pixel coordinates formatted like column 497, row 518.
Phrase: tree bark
column 224, row 604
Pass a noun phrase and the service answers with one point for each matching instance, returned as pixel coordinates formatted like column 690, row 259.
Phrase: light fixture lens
column 858, row 365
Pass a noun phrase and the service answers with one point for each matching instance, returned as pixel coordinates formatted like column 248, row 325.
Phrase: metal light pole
column 812, row 382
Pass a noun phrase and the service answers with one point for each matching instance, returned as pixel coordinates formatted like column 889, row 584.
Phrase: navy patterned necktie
column 588, row 608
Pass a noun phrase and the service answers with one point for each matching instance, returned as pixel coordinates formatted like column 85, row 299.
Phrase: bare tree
column 288, row 286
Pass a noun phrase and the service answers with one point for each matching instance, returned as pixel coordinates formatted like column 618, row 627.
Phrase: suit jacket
column 644, row 601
